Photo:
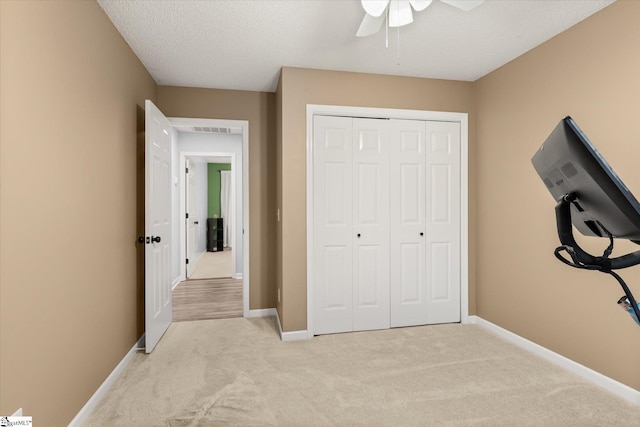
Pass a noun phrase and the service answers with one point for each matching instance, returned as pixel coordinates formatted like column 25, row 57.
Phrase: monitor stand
column 583, row 260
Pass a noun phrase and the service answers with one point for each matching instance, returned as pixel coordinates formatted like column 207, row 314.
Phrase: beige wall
column 70, row 306
column 259, row 109
column 591, row 72
column 300, row 87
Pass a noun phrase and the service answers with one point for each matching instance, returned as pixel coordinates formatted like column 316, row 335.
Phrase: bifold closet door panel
column 370, row 224
column 407, row 222
column 443, row 222
column 386, row 223
column 333, row 224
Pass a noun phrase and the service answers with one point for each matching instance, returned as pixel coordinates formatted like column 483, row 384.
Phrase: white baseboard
column 589, row 374
column 290, row 336
column 238, row 276
column 294, row 335
column 18, row 413
column 91, row 404
column 264, row 312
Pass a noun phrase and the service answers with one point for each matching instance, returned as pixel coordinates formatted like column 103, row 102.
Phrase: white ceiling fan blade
column 420, row 5
column 465, row 5
column 374, row 7
column 400, row 13
column 370, row 25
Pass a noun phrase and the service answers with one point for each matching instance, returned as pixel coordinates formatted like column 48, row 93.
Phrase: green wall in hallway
column 213, row 196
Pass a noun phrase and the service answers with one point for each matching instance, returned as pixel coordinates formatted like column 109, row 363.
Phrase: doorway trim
column 183, row 207
column 389, row 113
column 244, row 125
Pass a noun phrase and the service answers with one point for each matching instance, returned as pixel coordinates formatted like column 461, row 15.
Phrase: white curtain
column 225, row 205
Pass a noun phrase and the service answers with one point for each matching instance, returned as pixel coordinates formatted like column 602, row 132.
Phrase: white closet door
column 386, row 215
column 443, row 222
column 333, row 224
column 407, row 223
column 370, row 224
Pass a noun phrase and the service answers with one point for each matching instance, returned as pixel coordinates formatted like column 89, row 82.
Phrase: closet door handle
column 421, row 233
column 358, row 235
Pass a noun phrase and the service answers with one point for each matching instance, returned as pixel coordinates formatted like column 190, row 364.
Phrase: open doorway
column 211, row 180
column 210, row 198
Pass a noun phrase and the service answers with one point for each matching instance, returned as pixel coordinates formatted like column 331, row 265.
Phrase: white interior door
column 443, row 222
column 157, row 225
column 370, row 224
column 190, row 218
column 407, row 223
column 333, row 224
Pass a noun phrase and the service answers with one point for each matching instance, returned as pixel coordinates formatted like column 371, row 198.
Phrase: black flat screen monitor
column 567, row 162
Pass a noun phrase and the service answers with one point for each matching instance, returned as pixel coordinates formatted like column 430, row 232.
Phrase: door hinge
column 187, row 216
column 187, row 260
column 186, row 170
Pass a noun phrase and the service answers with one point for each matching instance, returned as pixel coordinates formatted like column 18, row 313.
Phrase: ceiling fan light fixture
column 375, row 8
column 420, row 5
column 400, row 13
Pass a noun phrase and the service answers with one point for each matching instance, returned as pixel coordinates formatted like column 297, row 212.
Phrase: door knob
column 195, row 222
column 358, row 235
column 422, row 234
column 155, row 239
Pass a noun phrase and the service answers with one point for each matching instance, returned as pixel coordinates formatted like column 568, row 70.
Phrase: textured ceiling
column 236, row 44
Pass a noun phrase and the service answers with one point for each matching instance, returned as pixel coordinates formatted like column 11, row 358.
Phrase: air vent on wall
column 220, row 130
column 208, row 129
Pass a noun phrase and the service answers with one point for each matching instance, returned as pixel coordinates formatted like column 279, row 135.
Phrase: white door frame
column 189, row 222
column 336, row 110
column 244, row 125
column 183, row 206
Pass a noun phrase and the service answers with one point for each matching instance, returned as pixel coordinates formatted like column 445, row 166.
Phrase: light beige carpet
column 213, row 265
column 236, row 372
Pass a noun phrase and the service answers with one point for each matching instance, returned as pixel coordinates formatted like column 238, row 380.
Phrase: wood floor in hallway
column 207, row 299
